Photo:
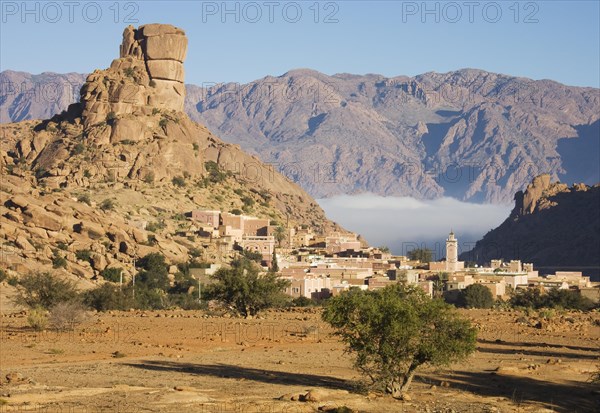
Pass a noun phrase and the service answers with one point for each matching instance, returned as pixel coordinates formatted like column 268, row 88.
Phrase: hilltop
column 551, row 225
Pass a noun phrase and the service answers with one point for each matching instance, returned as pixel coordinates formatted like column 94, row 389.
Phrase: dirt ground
column 187, row 361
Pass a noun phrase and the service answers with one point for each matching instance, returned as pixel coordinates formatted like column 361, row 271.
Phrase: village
column 319, row 266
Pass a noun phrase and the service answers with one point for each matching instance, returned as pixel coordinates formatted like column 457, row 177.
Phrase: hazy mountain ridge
column 469, row 134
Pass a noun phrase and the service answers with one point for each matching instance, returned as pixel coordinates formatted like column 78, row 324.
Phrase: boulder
column 166, row 69
column 22, row 243
column 127, row 129
column 42, row 218
column 166, row 46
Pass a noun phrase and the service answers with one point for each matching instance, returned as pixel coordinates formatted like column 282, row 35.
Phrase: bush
column 178, row 181
column 67, row 315
column 109, row 297
column 37, row 318
column 84, row 255
column 78, row 149
column 154, row 273
column 3, row 275
column 476, row 296
column 85, row 198
column 112, row 274
column 107, row 205
column 555, row 298
column 396, row 330
column 215, row 175
column 59, row 261
column 149, row 177
column 302, row 301
column 155, row 226
column 245, row 291
column 252, row 255
column 44, row 290
column 236, row 211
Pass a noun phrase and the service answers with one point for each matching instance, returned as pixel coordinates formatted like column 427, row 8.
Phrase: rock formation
column 93, row 177
column 551, row 225
column 148, row 75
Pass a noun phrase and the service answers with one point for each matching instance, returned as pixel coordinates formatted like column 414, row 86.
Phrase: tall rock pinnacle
column 148, row 75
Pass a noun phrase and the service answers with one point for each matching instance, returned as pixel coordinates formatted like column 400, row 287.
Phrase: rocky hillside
column 469, row 134
column 127, row 158
column 551, row 225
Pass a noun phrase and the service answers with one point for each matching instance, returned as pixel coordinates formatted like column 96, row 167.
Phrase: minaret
column 451, row 253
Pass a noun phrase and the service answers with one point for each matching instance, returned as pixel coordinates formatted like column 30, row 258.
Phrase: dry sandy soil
column 178, row 361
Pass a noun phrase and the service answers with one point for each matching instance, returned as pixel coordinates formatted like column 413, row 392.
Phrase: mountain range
column 469, row 134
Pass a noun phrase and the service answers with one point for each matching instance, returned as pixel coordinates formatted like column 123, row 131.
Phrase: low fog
column 403, row 224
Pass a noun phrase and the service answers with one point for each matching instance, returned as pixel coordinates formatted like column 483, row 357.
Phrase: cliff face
column 551, row 225
column 126, row 155
column 469, row 134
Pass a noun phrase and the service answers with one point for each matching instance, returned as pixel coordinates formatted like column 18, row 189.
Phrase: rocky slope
column 469, row 134
column 551, row 225
column 91, row 178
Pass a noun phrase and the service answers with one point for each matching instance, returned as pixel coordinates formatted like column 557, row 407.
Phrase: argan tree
column 246, row 290
column 476, row 296
column 396, row 330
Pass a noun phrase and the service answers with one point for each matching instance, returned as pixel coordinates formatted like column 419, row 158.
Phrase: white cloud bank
column 404, row 223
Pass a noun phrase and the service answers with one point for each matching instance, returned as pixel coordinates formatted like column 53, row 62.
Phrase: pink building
column 207, row 217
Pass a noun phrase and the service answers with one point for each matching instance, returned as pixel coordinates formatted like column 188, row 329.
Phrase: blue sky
column 556, row 40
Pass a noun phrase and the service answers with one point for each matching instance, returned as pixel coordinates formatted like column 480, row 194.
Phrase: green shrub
column 476, row 296
column 85, row 198
column 129, row 72
column 3, row 275
column 178, row 181
column 236, row 211
column 59, row 261
column 37, row 318
column 44, row 290
column 155, row 226
column 149, row 177
column 215, row 175
column 84, row 255
column 112, row 274
column 78, row 149
column 252, row 255
column 554, row 298
column 107, row 205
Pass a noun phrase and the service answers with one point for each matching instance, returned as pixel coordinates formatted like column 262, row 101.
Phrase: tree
column 274, row 264
column 154, row 272
column 44, row 290
column 279, row 234
column 396, row 330
column 420, row 254
column 439, row 283
column 245, row 290
column 476, row 296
